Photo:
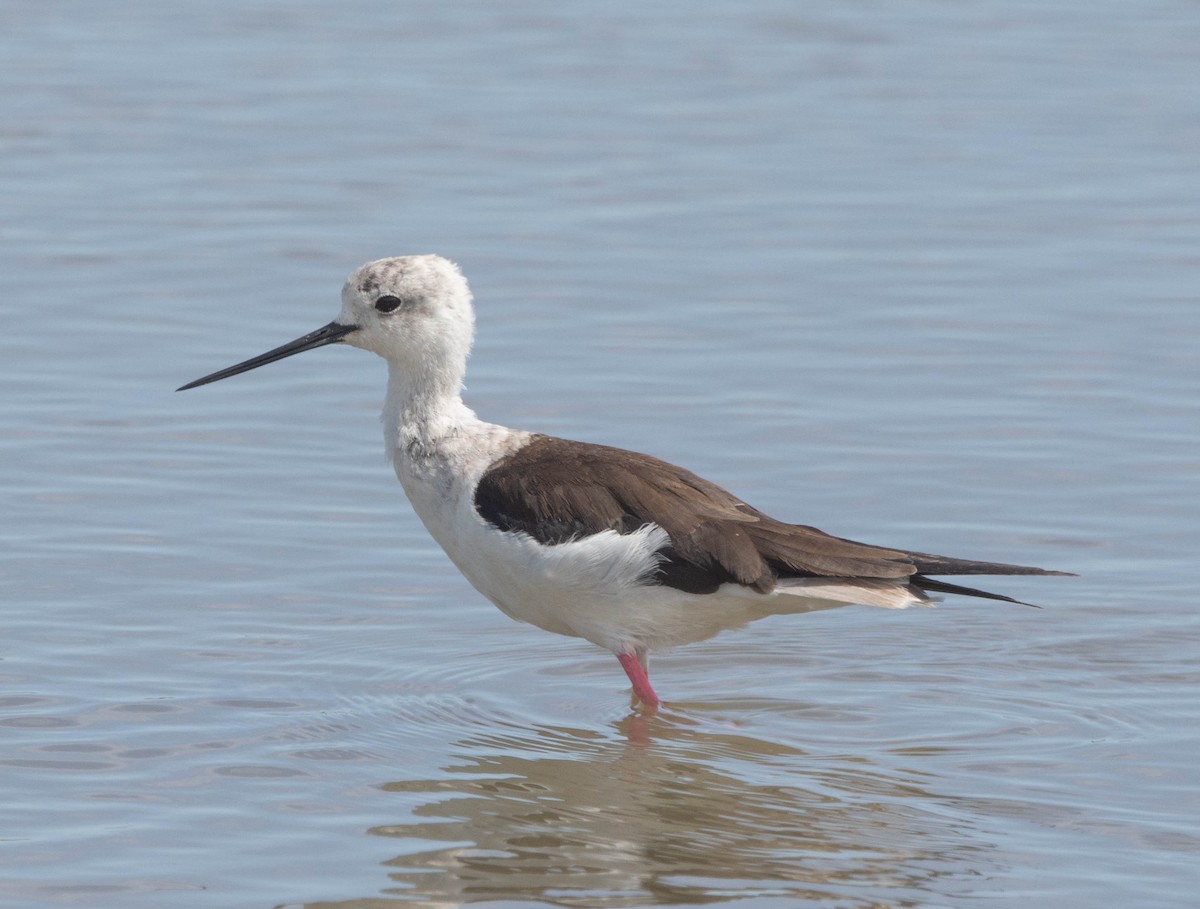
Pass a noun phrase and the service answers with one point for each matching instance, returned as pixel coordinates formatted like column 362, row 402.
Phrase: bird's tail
column 928, row 564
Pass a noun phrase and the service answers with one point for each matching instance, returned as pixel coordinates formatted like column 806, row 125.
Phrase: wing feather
column 557, row 490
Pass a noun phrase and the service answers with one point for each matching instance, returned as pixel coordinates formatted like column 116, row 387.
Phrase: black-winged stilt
column 625, row 550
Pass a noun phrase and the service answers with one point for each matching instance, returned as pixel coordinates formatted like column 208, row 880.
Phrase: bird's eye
column 388, row 303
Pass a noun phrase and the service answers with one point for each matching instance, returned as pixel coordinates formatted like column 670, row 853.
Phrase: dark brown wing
column 556, row 490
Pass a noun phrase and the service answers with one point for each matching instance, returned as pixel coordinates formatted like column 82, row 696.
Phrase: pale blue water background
column 923, row 274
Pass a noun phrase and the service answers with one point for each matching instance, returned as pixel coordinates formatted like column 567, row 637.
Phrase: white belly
column 595, row 588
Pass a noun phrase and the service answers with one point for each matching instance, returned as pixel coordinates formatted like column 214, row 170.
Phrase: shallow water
column 923, row 276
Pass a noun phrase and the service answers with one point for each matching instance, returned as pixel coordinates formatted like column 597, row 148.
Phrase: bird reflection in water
column 668, row 810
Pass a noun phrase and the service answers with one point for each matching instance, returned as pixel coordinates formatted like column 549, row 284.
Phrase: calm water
column 922, row 274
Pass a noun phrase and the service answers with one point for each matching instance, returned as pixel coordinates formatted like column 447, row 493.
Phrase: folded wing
column 557, row 490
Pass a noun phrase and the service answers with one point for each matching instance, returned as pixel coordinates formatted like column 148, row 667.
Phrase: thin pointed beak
column 328, row 334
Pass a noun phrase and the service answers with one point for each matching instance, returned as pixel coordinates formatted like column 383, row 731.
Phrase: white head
column 414, row 311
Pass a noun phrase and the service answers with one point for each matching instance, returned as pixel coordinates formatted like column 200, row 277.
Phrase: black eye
column 388, row 303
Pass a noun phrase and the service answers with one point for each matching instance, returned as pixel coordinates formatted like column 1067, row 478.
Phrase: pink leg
column 639, row 677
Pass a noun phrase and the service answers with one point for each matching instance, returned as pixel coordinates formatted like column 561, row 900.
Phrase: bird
column 627, row 551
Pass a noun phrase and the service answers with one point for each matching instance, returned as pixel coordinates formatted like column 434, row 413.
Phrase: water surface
column 921, row 275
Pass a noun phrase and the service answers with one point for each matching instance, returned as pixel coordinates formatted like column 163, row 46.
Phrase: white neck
column 421, row 410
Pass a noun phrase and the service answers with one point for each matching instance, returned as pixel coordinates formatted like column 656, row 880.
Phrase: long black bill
column 328, row 334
